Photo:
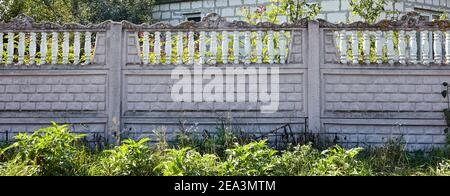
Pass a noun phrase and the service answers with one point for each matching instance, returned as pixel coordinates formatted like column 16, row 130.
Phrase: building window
column 196, row 17
column 428, row 15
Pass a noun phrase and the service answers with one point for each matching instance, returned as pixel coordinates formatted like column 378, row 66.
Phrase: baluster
column 366, row 47
column 447, row 47
column 437, row 47
column 157, row 48
column 236, row 47
column 413, row 47
column 402, row 47
column 10, row 49
column 270, row 47
column 213, row 47
column 425, row 47
column 180, row 49
column 43, row 48
column 355, row 47
column 55, row 48
column 202, row 47
column 1, row 48
column 247, row 48
column 146, row 48
column 77, row 48
column 21, row 48
column 191, row 48
column 87, row 47
column 225, row 47
column 282, row 47
column 390, row 47
column 343, row 47
column 66, row 48
column 379, row 46
column 259, row 47
column 32, row 48
column 168, row 48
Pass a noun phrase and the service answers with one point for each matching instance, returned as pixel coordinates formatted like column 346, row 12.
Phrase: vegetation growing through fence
column 48, row 57
column 54, row 151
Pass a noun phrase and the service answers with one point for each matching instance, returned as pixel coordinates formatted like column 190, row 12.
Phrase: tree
column 59, row 11
column 81, row 11
column 296, row 10
column 136, row 11
column 370, row 10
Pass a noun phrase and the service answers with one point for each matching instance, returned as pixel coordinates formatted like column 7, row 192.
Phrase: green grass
column 54, row 151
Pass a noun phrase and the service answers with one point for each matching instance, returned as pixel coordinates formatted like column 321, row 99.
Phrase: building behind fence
column 358, row 84
column 176, row 11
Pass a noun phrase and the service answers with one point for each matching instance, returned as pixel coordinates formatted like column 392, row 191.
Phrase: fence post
column 313, row 82
column 114, row 62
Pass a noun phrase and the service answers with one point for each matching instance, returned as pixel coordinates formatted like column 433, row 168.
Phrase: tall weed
column 130, row 159
column 52, row 150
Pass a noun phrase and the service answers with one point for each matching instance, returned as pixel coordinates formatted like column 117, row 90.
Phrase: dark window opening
column 195, row 19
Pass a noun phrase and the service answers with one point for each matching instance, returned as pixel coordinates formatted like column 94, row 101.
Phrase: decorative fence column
column 313, row 83
column 114, row 61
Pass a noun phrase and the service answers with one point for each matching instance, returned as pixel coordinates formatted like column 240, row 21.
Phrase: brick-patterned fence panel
column 389, row 91
column 27, row 92
column 147, row 103
column 115, row 79
column 55, row 73
column 148, row 106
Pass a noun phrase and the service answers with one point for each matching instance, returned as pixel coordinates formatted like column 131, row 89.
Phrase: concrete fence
column 357, row 84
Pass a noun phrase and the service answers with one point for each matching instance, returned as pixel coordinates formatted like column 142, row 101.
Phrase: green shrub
column 52, row 150
column 339, row 162
column 188, row 162
column 298, row 161
column 130, row 159
column 56, row 152
column 307, row 161
column 254, row 159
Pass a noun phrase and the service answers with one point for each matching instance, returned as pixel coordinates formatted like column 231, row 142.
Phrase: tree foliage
column 296, row 10
column 137, row 11
column 59, row 11
column 81, row 11
column 293, row 10
column 371, row 10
